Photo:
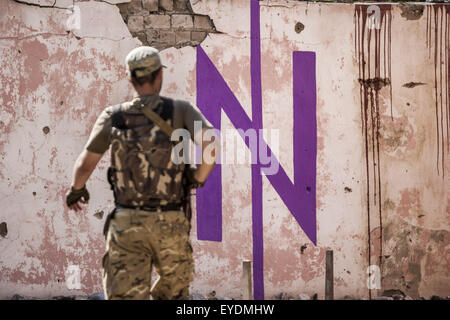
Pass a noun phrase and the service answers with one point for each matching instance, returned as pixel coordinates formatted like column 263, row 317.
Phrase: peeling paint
column 166, row 24
column 410, row 262
column 411, row 11
column 397, row 137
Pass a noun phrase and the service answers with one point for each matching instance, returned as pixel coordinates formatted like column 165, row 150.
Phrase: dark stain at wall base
column 393, row 293
column 411, row 11
column 3, row 229
column 414, row 254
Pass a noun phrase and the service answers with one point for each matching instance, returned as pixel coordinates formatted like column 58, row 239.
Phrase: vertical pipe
column 329, row 289
column 247, row 289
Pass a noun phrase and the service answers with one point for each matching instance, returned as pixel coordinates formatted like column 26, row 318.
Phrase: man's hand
column 192, row 180
column 73, row 196
column 85, row 164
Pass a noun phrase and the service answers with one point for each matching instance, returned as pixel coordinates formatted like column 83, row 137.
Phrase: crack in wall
column 33, row 4
column 33, row 36
column 30, row 3
column 60, row 35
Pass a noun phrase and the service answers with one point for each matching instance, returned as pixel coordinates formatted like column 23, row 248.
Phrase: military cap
column 143, row 61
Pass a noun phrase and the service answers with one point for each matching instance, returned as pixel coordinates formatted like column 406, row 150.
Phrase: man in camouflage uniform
column 148, row 227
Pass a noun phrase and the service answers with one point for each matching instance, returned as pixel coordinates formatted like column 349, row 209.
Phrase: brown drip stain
column 437, row 41
column 373, row 50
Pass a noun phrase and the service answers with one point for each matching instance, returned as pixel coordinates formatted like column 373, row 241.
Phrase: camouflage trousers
column 138, row 240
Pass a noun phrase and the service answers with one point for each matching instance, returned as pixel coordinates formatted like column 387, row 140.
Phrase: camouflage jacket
column 142, row 173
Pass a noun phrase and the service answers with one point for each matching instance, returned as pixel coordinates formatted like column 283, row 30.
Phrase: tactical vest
column 142, row 173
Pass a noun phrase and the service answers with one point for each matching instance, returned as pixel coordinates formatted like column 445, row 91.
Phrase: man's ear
column 160, row 73
column 134, row 83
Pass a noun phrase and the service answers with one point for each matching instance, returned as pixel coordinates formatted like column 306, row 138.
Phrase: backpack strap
column 117, row 120
column 167, row 110
column 153, row 116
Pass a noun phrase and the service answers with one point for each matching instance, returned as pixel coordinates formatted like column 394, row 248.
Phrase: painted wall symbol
column 213, row 95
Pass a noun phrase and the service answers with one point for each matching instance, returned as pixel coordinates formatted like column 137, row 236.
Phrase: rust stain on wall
column 437, row 41
column 373, row 50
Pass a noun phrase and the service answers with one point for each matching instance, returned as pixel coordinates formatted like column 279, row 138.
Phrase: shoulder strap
column 163, row 125
column 117, row 119
column 167, row 110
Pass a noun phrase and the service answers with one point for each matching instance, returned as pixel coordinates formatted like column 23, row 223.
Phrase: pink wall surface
column 382, row 168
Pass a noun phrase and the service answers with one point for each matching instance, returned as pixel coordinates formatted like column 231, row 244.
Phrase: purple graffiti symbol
column 213, row 95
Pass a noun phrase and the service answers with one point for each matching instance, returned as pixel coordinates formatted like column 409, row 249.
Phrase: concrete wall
column 380, row 144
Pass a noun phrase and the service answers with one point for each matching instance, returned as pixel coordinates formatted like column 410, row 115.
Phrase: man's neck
column 146, row 92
